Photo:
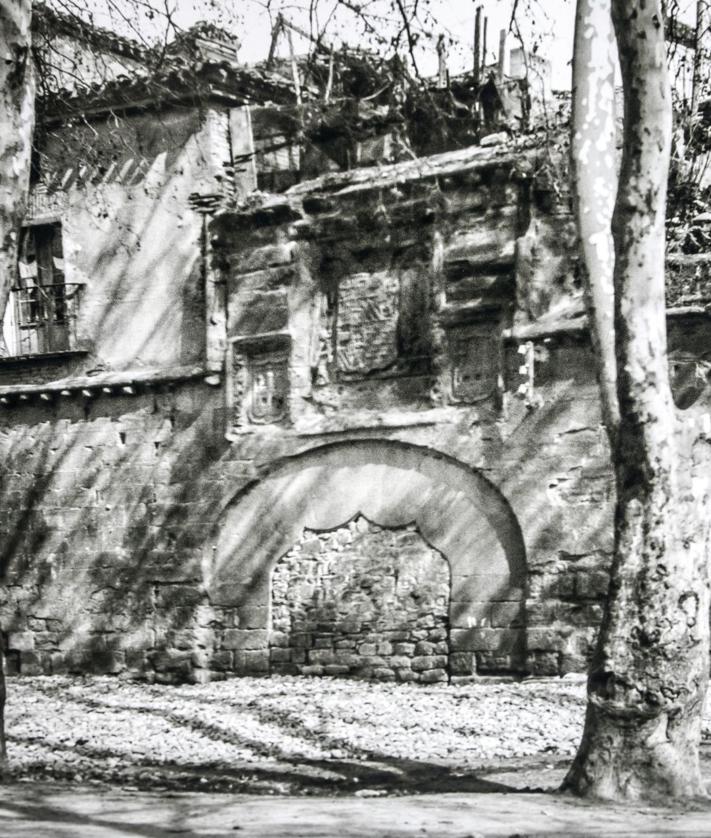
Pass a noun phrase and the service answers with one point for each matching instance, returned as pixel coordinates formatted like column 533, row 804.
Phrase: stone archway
column 455, row 509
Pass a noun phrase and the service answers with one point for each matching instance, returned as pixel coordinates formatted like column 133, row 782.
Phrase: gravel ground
column 290, row 735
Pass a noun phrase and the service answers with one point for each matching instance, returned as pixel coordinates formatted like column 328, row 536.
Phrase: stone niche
column 361, row 601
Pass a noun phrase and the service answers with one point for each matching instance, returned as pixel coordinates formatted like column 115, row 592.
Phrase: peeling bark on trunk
column 648, row 680
column 16, row 127
column 593, row 165
column 649, row 676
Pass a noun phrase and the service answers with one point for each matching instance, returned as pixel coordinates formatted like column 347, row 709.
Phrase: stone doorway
column 361, row 601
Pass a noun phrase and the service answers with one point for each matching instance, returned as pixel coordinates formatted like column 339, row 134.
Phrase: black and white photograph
column 355, row 418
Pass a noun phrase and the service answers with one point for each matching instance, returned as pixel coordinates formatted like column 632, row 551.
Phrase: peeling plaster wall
column 123, row 189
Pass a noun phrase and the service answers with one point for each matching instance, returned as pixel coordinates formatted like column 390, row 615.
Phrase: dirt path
column 58, row 812
column 305, row 758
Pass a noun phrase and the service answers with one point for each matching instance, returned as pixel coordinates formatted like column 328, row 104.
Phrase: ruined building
column 259, row 413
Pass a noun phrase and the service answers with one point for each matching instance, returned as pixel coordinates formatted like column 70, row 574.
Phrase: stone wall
column 132, row 526
column 141, row 522
column 361, row 601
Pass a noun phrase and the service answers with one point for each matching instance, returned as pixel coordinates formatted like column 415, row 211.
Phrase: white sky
column 547, row 24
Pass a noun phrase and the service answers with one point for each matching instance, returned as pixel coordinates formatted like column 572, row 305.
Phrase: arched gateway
column 367, row 487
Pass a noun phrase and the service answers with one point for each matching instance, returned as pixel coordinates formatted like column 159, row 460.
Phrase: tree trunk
column 16, row 127
column 593, row 158
column 3, row 744
column 648, row 679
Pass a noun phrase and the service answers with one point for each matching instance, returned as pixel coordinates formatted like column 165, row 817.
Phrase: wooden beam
column 477, row 45
column 501, row 66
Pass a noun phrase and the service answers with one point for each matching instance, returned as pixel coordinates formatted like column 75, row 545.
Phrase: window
column 42, row 312
column 277, row 160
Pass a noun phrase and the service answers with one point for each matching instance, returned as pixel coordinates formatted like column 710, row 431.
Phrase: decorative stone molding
column 257, row 389
column 124, row 382
column 474, row 362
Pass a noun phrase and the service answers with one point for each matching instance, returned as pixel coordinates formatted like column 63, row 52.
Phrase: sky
column 546, row 25
column 548, row 22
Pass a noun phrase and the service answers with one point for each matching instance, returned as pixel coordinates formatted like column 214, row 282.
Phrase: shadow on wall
column 129, row 235
column 555, row 470
column 104, row 529
column 455, row 509
column 110, row 509
column 361, row 601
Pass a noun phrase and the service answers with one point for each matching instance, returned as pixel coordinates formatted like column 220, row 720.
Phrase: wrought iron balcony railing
column 45, row 318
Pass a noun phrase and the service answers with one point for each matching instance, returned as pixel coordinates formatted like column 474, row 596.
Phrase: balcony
column 42, row 319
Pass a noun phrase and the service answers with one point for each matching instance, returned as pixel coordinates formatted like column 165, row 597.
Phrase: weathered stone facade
column 362, row 601
column 402, row 345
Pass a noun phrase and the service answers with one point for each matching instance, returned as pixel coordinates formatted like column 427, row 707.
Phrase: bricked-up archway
column 361, row 601
column 455, row 509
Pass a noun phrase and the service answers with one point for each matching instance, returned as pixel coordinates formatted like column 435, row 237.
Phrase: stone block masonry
column 115, row 512
column 418, row 507
column 361, row 601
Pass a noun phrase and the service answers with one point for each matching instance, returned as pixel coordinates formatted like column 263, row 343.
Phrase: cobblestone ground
column 286, row 735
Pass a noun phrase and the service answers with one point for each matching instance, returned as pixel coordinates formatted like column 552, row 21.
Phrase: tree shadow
column 274, row 767
column 38, row 809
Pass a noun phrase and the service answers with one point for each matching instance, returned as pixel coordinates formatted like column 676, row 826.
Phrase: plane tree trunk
column 16, row 127
column 649, row 675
